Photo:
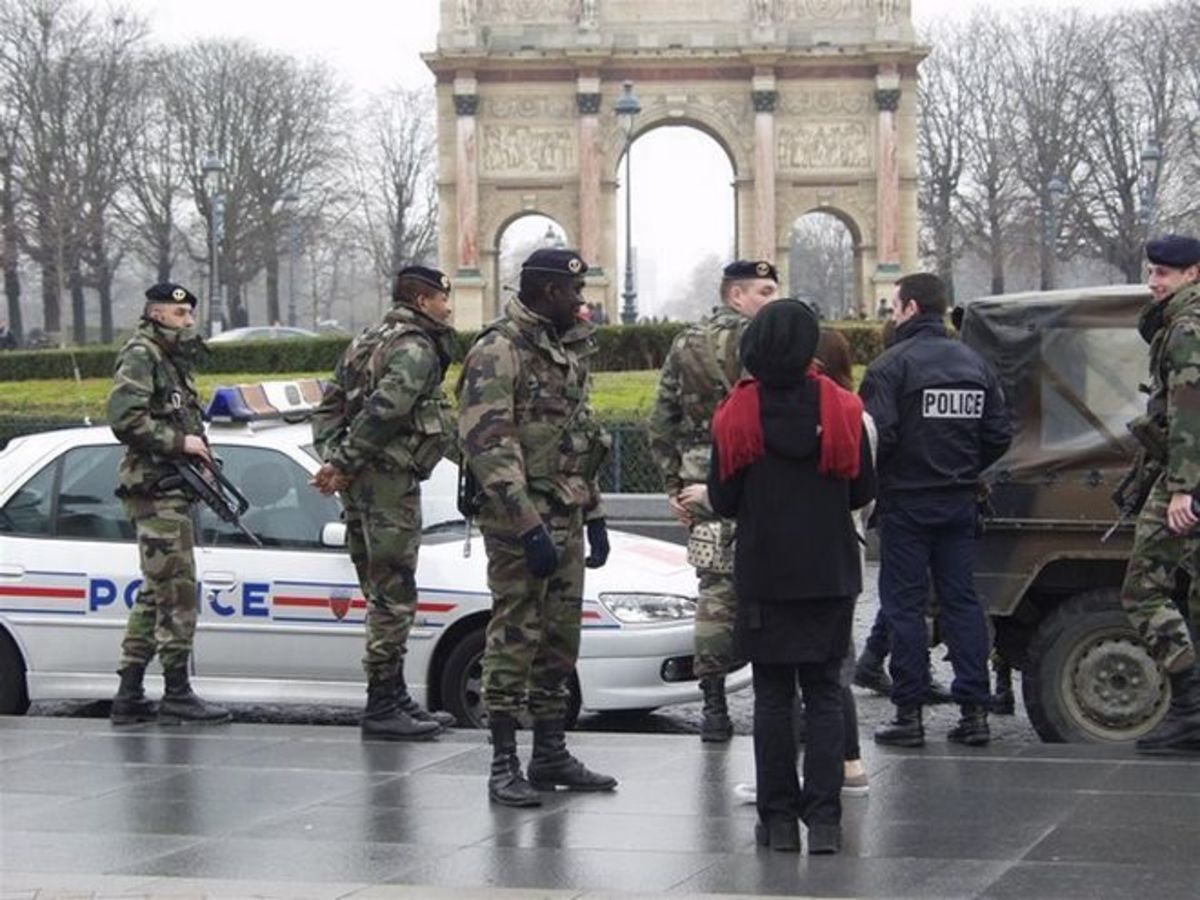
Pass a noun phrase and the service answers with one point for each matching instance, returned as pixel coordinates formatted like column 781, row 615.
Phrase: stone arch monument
column 814, row 100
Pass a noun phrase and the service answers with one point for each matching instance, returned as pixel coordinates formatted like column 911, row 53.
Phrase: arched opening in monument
column 684, row 220
column 825, row 264
column 517, row 238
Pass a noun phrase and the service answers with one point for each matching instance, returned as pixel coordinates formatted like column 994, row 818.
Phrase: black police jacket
column 939, row 410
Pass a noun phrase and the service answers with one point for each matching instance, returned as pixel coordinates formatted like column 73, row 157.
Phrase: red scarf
column 737, row 428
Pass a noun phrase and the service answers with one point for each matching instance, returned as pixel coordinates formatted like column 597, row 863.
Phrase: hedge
column 621, row 348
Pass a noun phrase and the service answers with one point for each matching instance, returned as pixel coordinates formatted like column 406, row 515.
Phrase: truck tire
column 14, row 698
column 1088, row 678
column 462, row 683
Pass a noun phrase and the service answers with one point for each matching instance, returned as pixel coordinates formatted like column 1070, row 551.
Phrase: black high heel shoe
column 780, row 834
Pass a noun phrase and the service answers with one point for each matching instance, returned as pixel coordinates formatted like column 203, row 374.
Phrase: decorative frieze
column 824, row 146
column 528, row 150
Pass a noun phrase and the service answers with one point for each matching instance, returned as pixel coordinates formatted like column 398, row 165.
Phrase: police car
column 283, row 622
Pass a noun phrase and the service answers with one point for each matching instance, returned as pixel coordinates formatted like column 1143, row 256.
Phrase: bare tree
column 989, row 189
column 944, row 110
column 1047, row 56
column 395, row 174
column 821, row 264
column 699, row 292
column 270, row 120
column 1134, row 101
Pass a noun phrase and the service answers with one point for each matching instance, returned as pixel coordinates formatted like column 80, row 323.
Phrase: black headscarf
column 779, row 344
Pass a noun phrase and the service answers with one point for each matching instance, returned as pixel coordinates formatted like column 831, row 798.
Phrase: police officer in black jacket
column 942, row 420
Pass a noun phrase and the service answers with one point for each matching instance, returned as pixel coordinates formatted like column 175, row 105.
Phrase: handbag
column 710, row 547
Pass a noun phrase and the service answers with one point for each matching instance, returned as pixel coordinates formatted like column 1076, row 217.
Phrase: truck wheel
column 1088, row 678
column 462, row 684
column 14, row 699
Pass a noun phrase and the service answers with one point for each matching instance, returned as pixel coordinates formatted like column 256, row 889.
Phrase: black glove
column 597, row 538
column 541, row 559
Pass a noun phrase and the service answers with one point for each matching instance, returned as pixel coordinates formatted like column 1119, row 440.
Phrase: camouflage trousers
column 1149, row 584
column 383, row 534
column 715, row 610
column 163, row 618
column 533, row 634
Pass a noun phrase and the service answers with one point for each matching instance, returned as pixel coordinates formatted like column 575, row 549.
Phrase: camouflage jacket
column 701, row 367
column 1175, row 387
column 385, row 406
column 525, row 424
column 153, row 405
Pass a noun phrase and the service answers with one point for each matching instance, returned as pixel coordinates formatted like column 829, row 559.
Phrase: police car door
column 69, row 572
column 288, row 611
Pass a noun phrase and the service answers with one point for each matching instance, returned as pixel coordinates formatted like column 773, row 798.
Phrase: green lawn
column 616, row 394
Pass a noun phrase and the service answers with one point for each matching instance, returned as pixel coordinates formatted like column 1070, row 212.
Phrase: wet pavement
column 293, row 811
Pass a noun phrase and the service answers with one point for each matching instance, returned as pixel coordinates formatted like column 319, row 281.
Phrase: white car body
column 281, row 624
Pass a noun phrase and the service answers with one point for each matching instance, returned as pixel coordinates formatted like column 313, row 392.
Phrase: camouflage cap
column 432, row 277
column 741, row 269
column 169, row 292
column 1177, row 251
column 555, row 261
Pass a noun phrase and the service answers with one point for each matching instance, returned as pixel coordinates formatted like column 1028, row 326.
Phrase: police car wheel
column 1088, row 678
column 462, row 684
column 14, row 699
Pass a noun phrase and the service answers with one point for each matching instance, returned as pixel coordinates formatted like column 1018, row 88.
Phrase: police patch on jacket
column 951, row 403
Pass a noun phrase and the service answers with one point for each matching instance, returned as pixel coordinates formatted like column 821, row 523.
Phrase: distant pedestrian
column 8, row 340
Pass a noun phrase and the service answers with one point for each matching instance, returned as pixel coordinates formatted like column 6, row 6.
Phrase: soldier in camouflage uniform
column 699, row 371
column 382, row 425
column 1165, row 538
column 154, row 410
column 530, row 441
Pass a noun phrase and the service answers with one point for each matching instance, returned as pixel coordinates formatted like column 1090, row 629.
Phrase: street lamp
column 1151, row 159
column 1057, row 192
column 627, row 108
column 290, row 199
column 213, row 170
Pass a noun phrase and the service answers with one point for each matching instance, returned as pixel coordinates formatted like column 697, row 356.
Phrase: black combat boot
column 869, row 674
column 1180, row 727
column 1004, row 703
column 407, row 704
column 905, row 730
column 972, row 728
column 552, row 765
column 507, row 784
column 384, row 719
column 130, row 705
column 180, row 704
column 715, row 726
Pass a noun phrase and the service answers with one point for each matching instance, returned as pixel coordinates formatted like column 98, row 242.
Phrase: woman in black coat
column 790, row 462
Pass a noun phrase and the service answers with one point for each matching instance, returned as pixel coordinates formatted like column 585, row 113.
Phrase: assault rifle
column 470, row 502
column 204, row 481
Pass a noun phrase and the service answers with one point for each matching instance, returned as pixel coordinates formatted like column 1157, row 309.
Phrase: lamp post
column 290, row 199
column 627, row 108
column 1056, row 191
column 1151, row 159
column 213, row 169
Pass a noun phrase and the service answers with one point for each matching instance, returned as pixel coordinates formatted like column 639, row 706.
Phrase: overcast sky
column 681, row 213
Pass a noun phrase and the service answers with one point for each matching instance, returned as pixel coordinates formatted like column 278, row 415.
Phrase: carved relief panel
column 824, row 146
column 512, row 12
column 517, row 150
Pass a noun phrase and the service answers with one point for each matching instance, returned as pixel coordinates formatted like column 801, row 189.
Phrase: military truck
column 1071, row 363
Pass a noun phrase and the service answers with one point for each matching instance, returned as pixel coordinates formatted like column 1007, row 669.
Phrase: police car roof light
column 265, row 400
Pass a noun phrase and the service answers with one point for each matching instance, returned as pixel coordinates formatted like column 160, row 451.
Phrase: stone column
column 765, row 98
column 468, row 282
column 887, row 190
column 587, row 101
column 887, row 99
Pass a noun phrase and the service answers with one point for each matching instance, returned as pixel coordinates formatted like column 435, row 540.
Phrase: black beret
column 169, row 292
column 559, row 262
column 778, row 344
column 751, row 268
column 432, row 277
column 1175, row 250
